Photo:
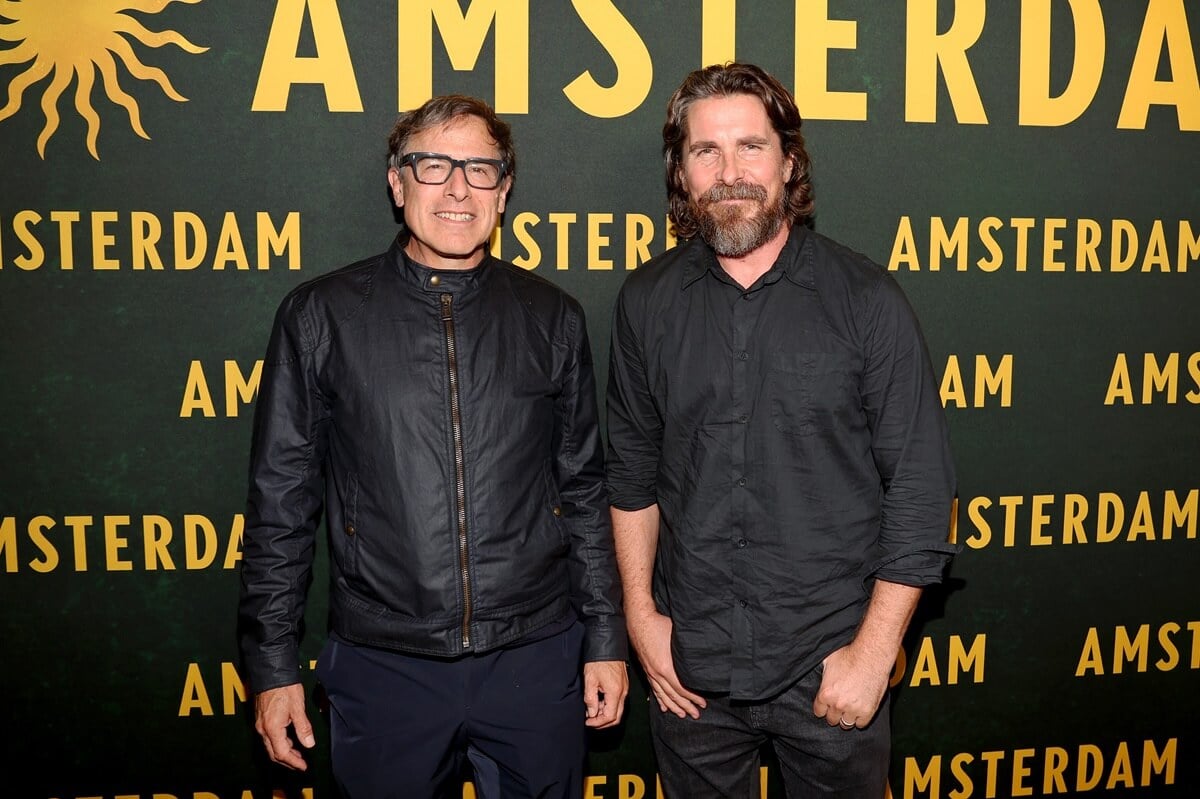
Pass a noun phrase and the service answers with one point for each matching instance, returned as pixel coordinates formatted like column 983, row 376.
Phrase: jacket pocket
column 350, row 532
column 553, row 506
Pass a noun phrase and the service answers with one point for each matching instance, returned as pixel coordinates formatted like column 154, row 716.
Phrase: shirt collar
column 794, row 262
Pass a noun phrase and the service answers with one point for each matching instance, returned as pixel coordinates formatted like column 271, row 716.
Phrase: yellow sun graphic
column 67, row 38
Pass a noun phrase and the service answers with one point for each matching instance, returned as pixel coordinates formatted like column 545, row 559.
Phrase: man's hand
column 605, row 684
column 650, row 634
column 856, row 676
column 274, row 710
column 852, row 687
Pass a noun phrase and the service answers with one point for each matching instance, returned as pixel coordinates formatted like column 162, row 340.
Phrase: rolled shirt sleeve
column 909, row 441
column 635, row 428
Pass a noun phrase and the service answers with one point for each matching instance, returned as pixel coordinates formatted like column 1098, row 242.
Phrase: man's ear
column 505, row 188
column 397, row 186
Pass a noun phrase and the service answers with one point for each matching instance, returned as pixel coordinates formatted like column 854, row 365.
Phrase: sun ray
column 38, row 70
column 152, row 6
column 18, row 55
column 58, row 85
column 83, row 104
column 10, row 10
column 11, row 32
column 108, row 71
column 136, row 68
column 155, row 38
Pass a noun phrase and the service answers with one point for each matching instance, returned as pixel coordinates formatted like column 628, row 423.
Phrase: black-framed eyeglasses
column 435, row 169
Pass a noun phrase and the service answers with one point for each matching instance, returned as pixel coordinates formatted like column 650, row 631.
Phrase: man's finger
column 695, row 701
column 280, row 748
column 680, row 706
column 654, row 689
column 612, row 686
column 665, row 701
column 304, row 730
column 618, row 704
column 605, row 684
column 605, row 716
column 684, row 699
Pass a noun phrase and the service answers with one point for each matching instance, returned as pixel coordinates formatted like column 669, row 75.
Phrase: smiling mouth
column 450, row 216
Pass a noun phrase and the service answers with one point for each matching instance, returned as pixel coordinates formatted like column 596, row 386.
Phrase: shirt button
column 741, row 481
column 743, row 356
column 743, row 603
column 435, row 281
column 349, row 529
column 743, row 419
column 557, row 511
column 741, row 543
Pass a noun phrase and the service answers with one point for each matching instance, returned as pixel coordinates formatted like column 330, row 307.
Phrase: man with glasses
column 780, row 472
column 438, row 406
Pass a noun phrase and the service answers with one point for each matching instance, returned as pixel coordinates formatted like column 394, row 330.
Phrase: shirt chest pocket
column 806, row 390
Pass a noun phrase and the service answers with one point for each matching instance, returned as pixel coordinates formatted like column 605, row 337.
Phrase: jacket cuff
column 264, row 672
column 605, row 639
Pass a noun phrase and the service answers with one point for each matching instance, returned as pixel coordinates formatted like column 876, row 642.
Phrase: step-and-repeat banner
column 1028, row 170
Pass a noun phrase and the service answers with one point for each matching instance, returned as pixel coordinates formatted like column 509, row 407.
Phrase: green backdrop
column 1029, row 171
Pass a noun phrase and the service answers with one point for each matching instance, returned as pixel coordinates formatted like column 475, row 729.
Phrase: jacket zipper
column 460, row 480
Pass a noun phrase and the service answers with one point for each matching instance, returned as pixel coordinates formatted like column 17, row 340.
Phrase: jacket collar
column 436, row 281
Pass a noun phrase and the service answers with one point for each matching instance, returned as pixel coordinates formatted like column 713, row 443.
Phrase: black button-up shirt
column 793, row 438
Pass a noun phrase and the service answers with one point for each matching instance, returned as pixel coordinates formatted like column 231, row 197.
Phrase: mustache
column 738, row 191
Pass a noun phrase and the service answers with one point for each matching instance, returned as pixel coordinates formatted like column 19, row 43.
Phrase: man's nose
column 457, row 185
column 729, row 169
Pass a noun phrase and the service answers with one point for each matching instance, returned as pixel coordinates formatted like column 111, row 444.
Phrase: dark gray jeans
column 717, row 755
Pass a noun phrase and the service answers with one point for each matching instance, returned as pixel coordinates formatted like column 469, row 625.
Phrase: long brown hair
column 723, row 80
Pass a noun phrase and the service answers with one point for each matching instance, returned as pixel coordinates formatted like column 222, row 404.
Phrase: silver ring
column 844, row 724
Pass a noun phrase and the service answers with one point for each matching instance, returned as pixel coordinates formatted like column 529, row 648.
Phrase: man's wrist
column 874, row 658
column 640, row 607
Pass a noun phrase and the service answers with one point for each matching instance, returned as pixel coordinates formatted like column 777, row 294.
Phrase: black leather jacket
column 446, row 422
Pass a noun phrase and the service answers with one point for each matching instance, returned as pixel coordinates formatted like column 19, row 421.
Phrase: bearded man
column 780, row 472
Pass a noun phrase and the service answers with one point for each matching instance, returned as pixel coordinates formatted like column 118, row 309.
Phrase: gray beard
column 727, row 231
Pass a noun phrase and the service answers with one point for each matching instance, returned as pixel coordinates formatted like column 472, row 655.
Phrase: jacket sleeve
column 909, row 441
column 579, row 466
column 284, row 503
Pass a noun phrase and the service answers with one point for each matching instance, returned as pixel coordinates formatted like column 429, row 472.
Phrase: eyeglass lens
column 436, row 169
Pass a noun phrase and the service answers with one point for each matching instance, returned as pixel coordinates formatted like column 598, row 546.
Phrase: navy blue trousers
column 403, row 726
